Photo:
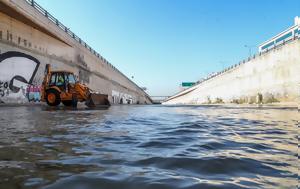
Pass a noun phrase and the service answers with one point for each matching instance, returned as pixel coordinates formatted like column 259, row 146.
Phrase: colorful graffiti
column 17, row 71
column 33, row 93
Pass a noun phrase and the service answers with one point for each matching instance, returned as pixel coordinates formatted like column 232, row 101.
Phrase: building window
column 0, row 35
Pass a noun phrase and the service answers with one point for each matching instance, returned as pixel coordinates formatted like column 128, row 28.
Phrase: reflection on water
column 149, row 147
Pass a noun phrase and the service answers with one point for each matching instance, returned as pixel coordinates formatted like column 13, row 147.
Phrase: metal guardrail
column 67, row 30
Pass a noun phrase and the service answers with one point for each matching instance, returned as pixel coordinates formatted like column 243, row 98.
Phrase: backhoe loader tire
column 52, row 97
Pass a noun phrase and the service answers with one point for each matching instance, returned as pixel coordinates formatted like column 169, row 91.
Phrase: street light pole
column 250, row 49
column 222, row 63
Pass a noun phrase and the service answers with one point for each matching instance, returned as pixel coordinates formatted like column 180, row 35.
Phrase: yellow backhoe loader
column 61, row 86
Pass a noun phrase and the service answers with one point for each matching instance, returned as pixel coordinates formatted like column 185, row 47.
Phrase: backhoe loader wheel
column 52, row 97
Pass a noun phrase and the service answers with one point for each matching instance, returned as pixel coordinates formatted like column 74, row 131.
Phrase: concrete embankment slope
column 30, row 38
column 273, row 76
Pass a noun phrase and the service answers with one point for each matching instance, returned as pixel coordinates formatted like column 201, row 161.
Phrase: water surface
column 149, row 147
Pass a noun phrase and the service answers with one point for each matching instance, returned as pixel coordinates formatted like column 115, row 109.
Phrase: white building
column 288, row 34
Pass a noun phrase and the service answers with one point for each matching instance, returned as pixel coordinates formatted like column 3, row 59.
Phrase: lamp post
column 223, row 64
column 250, row 49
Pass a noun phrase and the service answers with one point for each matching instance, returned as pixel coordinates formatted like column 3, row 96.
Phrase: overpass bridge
column 30, row 38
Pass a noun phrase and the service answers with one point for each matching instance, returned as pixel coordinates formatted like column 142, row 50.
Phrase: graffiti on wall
column 17, row 71
column 33, row 93
column 122, row 98
column 3, row 88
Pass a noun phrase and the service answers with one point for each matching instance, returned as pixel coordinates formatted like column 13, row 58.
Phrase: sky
column 161, row 43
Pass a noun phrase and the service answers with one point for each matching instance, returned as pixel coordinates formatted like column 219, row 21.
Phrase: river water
column 149, row 147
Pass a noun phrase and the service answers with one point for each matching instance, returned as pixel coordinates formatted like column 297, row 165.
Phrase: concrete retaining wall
column 271, row 77
column 29, row 41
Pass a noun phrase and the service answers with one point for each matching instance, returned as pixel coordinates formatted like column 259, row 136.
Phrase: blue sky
column 165, row 42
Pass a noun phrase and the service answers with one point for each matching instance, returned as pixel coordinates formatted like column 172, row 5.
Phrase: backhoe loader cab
column 61, row 86
column 62, row 79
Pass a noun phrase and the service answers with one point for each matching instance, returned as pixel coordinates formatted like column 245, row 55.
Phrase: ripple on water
column 211, row 166
column 182, row 147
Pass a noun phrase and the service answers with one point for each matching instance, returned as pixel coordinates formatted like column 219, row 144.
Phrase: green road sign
column 187, row 84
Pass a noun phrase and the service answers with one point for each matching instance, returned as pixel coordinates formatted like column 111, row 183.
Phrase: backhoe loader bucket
column 97, row 101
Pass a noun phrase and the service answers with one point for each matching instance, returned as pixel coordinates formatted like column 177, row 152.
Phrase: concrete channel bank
column 30, row 38
column 272, row 76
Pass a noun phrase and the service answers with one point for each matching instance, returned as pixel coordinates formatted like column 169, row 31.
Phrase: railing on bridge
column 67, row 30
